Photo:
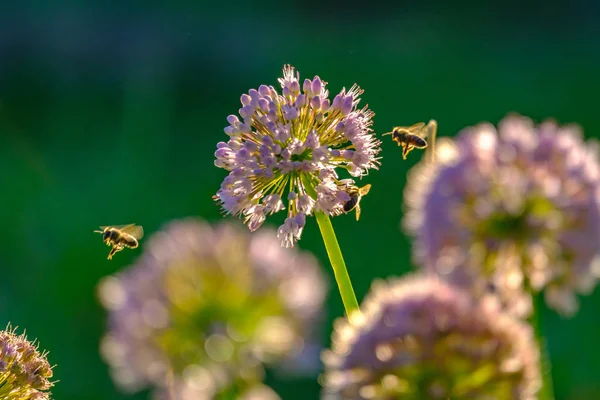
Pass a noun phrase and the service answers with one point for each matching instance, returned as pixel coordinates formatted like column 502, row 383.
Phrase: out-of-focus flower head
column 184, row 391
column 284, row 152
column 205, row 307
column 420, row 338
column 514, row 210
column 24, row 371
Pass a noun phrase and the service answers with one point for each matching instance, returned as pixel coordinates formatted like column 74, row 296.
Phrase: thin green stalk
column 431, row 136
column 337, row 262
column 547, row 390
column 170, row 384
column 335, row 254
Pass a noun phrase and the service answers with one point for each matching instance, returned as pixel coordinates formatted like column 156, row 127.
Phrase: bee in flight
column 120, row 237
column 410, row 137
column 355, row 194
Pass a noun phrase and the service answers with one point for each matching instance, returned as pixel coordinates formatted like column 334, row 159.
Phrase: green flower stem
column 170, row 384
column 335, row 254
column 547, row 390
column 337, row 262
column 431, row 135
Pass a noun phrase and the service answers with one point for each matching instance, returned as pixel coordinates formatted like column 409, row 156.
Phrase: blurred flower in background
column 24, row 371
column 420, row 338
column 205, row 307
column 284, row 152
column 511, row 211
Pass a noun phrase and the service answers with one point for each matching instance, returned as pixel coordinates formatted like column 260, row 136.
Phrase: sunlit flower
column 196, row 390
column 420, row 338
column 259, row 392
column 284, row 152
column 205, row 307
column 513, row 211
column 24, row 371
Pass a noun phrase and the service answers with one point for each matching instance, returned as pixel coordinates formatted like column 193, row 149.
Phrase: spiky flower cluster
column 284, row 152
column 24, row 371
column 205, row 307
column 420, row 338
column 512, row 211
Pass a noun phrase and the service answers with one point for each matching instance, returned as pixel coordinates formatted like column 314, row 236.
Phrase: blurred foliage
column 110, row 114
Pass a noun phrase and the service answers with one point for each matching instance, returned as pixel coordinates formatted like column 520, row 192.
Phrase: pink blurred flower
column 514, row 210
column 205, row 307
column 419, row 338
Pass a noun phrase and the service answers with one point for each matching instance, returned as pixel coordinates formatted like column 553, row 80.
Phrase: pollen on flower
column 285, row 151
column 211, row 305
column 510, row 210
column 24, row 371
column 420, row 338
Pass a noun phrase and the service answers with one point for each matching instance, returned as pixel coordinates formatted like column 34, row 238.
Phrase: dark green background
column 110, row 114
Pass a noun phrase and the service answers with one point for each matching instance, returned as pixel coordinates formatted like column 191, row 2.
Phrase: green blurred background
column 110, row 113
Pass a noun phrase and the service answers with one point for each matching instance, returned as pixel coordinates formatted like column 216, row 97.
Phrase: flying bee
column 120, row 237
column 409, row 137
column 355, row 194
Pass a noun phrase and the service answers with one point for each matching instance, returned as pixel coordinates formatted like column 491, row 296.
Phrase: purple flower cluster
column 284, row 151
column 512, row 210
column 206, row 306
column 419, row 338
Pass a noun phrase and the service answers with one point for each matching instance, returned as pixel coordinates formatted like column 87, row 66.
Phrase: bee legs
column 406, row 148
column 115, row 249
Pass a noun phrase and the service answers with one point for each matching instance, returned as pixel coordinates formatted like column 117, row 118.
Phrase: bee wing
column 364, row 190
column 416, row 127
column 132, row 229
column 419, row 129
column 412, row 128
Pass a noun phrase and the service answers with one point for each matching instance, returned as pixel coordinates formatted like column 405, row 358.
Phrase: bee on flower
column 285, row 151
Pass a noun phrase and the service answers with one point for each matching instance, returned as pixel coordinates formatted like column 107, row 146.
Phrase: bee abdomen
column 418, row 142
column 130, row 242
column 350, row 204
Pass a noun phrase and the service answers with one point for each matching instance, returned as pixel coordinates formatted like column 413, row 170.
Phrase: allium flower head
column 205, row 307
column 24, row 371
column 420, row 338
column 285, row 150
column 513, row 210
